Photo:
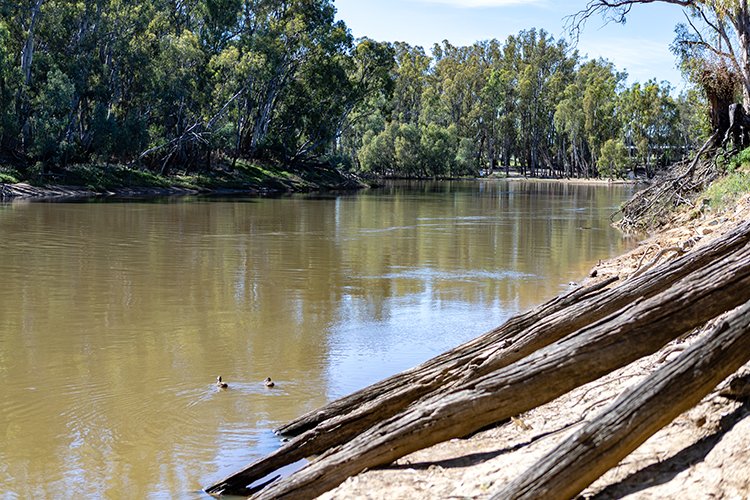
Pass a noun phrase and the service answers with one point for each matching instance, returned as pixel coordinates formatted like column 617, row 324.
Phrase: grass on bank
column 8, row 178
column 725, row 191
column 242, row 176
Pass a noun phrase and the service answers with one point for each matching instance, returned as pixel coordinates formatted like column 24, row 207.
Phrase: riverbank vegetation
column 196, row 88
column 529, row 104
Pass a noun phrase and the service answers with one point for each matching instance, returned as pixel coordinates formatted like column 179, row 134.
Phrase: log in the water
column 580, row 358
column 412, row 384
column 339, row 421
column 638, row 414
column 342, row 419
column 576, row 310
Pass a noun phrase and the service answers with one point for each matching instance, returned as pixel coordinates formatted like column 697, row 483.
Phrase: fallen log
column 416, row 379
column 344, row 418
column 341, row 420
column 637, row 415
column 548, row 373
column 587, row 306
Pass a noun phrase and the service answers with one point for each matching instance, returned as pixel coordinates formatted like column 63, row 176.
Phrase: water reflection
column 116, row 318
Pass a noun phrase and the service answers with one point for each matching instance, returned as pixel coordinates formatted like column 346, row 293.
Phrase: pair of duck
column 223, row 385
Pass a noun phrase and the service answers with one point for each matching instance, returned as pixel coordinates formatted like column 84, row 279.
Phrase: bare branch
column 610, row 11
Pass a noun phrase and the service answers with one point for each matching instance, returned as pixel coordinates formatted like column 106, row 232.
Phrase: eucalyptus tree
column 410, row 73
column 485, row 115
column 276, row 41
column 453, row 85
column 587, row 114
column 370, row 86
column 10, row 87
column 718, row 29
column 613, row 159
column 650, row 122
column 545, row 69
column 23, row 19
column 501, row 98
column 460, row 95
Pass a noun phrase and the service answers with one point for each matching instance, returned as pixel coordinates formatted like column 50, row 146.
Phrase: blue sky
column 641, row 46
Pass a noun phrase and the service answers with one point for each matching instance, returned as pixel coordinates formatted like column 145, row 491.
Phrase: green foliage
column 176, row 86
column 406, row 150
column 613, row 159
column 378, row 154
column 587, row 114
column 51, row 119
column 169, row 83
column 740, row 161
column 8, row 177
column 725, row 191
column 438, row 149
column 651, row 119
column 466, row 161
column 530, row 104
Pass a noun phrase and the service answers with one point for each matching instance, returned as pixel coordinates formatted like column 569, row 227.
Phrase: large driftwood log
column 539, row 378
column 637, row 414
column 576, row 309
column 338, row 421
column 341, row 420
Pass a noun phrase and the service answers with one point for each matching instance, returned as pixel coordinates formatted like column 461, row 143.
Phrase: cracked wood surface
column 638, row 414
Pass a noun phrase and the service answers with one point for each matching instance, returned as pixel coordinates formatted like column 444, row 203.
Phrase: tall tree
column 721, row 27
column 587, row 113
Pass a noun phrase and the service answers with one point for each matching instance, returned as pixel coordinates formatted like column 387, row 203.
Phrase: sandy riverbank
column 704, row 453
column 515, row 176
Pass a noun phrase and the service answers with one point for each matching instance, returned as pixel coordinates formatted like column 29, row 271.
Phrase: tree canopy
column 530, row 104
column 713, row 45
column 176, row 85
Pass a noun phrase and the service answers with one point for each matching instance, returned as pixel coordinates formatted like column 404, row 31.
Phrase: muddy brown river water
column 116, row 317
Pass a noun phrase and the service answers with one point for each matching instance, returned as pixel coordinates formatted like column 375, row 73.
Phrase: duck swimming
column 220, row 384
column 268, row 382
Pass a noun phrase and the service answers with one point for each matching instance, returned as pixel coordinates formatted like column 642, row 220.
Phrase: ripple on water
column 428, row 274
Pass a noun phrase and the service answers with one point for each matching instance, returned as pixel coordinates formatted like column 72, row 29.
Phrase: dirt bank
column 704, row 453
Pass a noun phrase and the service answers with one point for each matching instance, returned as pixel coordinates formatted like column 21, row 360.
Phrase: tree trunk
column 557, row 317
column 338, row 422
column 637, row 415
column 27, row 57
column 539, row 378
column 742, row 25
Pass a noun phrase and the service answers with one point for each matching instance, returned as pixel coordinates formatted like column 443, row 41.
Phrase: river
column 117, row 317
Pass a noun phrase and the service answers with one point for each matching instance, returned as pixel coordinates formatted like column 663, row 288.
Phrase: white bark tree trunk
column 27, row 57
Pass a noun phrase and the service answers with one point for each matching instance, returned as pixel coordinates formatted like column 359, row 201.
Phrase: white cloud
column 482, row 3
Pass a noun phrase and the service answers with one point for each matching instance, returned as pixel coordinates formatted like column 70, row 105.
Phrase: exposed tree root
column 678, row 186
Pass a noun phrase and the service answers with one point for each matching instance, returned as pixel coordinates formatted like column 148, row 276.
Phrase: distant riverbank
column 90, row 181
column 517, row 176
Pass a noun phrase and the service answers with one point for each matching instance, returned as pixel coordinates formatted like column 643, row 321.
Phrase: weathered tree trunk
column 340, row 420
column 637, row 414
column 576, row 309
column 741, row 23
column 478, row 401
column 739, row 126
